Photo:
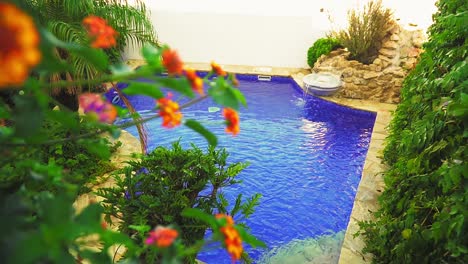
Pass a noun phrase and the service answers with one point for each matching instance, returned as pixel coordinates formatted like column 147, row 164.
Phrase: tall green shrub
column 156, row 189
column 424, row 208
column 320, row 47
column 366, row 31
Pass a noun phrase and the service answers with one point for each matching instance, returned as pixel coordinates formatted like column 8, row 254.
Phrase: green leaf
column 200, row 215
column 240, row 96
column 142, row 88
column 197, row 127
column 151, row 55
column 121, row 69
column 90, row 216
column 96, row 57
column 67, row 119
column 140, row 228
column 248, row 238
column 180, row 85
column 225, row 95
column 28, row 116
column 99, row 150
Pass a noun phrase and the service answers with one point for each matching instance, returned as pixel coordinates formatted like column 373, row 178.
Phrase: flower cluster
column 232, row 240
column 216, row 68
column 102, row 34
column 172, row 62
column 174, row 65
column 232, row 121
column 96, row 105
column 19, row 47
column 169, row 111
column 195, row 81
column 162, row 236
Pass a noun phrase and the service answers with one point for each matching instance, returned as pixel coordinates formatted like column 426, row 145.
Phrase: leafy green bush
column 321, row 47
column 77, row 158
column 366, row 30
column 424, row 208
column 156, row 189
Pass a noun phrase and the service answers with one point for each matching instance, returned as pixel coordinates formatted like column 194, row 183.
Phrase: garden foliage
column 366, row 31
column 82, row 164
column 48, row 152
column 321, row 46
column 157, row 188
column 424, row 208
column 64, row 18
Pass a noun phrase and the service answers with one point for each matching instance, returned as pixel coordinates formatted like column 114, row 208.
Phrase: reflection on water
column 324, row 249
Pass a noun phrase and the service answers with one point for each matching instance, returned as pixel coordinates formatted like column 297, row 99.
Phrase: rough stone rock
column 370, row 75
column 384, row 58
column 364, row 67
column 394, row 37
column 418, row 38
column 392, row 45
column 385, row 77
column 410, row 63
column 399, row 73
column 372, row 84
column 414, row 52
column 337, row 52
column 395, row 29
column 348, row 72
column 353, row 63
column 377, row 62
column 387, row 52
column 381, row 80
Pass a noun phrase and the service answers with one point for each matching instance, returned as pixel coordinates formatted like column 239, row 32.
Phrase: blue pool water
column 306, row 158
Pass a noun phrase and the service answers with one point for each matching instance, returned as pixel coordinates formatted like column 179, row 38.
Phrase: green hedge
column 424, row 208
column 320, row 47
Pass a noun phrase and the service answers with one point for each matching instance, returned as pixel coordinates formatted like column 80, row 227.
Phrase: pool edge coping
column 371, row 184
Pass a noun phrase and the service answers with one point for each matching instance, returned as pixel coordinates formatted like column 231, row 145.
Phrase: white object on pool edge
column 322, row 80
column 322, row 84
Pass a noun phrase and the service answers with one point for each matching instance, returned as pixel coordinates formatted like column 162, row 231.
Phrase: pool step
column 264, row 78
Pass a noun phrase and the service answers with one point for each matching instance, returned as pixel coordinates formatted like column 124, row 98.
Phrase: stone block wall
column 382, row 80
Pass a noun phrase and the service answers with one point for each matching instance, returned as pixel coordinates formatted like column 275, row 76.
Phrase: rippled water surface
column 306, row 159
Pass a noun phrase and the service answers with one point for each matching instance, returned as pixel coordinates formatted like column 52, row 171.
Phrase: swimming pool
column 306, row 158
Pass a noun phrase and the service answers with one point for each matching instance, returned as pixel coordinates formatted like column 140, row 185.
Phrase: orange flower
column 172, row 62
column 217, row 69
column 232, row 240
column 19, row 47
column 96, row 105
column 195, row 81
column 232, row 121
column 169, row 111
column 162, row 236
column 102, row 34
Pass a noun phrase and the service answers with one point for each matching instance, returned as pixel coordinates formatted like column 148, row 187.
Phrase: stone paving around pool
column 370, row 186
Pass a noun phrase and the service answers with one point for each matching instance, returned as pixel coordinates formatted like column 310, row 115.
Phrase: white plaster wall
column 259, row 32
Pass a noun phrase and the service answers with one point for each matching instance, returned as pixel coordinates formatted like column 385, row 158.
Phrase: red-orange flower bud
column 232, row 121
column 102, row 34
column 172, row 62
